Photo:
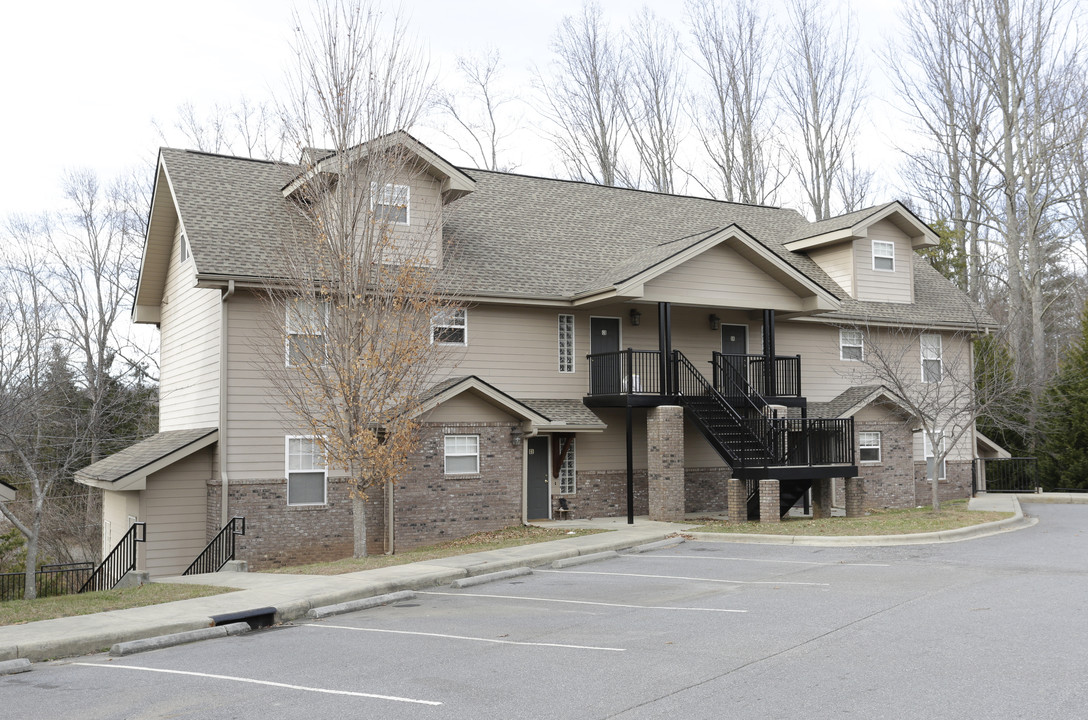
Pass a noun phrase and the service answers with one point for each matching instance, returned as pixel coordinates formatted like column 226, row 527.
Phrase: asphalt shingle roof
column 142, row 454
column 571, row 412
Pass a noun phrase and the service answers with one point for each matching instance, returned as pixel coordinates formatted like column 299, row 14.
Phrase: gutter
column 224, row 513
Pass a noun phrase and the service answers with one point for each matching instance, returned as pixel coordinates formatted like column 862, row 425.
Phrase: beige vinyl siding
column 697, row 451
column 721, row 277
column 823, row 375
column 175, row 508
column 189, row 349
column 878, row 285
column 117, row 506
column 424, row 217
column 608, row 450
column 467, row 407
column 838, row 262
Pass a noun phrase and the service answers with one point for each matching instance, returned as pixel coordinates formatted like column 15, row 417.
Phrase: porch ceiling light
column 715, row 322
column 636, row 317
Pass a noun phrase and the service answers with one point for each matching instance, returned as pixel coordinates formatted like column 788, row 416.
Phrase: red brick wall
column 604, row 494
column 955, row 486
column 705, row 489
column 891, row 483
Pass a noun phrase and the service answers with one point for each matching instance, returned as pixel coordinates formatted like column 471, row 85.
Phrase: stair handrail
column 729, row 372
column 121, row 560
column 220, row 550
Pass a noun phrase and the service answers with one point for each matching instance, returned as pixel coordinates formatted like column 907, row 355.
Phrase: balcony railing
column 635, row 372
column 780, row 378
column 813, row 441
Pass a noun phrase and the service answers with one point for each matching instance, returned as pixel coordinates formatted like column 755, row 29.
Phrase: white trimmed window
column 883, row 255
column 567, row 473
column 932, row 370
column 462, row 455
column 930, row 456
column 450, row 327
column 392, row 203
column 851, row 345
column 869, row 446
column 306, row 319
column 566, row 343
column 306, row 471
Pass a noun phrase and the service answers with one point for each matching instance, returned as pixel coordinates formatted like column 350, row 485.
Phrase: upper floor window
column 566, row 343
column 306, row 471
column 450, row 327
column 306, row 319
column 932, row 370
column 883, row 255
column 392, row 203
column 869, row 447
column 462, row 453
column 851, row 345
column 567, row 475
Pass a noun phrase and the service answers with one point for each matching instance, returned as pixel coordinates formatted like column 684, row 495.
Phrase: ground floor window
column 306, row 471
column 869, row 446
column 567, row 474
column 462, row 454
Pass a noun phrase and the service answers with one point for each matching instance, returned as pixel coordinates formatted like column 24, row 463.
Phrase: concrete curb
column 659, row 545
column 10, row 667
column 1016, row 522
column 363, row 604
column 165, row 641
column 491, row 577
column 584, row 559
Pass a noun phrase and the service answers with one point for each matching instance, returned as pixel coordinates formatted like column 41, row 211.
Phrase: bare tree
column 651, row 98
column 581, row 97
column 821, row 89
column 480, row 113
column 734, row 116
column 246, row 128
column 363, row 264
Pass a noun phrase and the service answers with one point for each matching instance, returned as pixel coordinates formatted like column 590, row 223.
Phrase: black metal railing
column 1018, row 474
column 813, row 441
column 731, row 380
column 54, row 579
column 780, row 378
column 629, row 371
column 220, row 550
column 121, row 560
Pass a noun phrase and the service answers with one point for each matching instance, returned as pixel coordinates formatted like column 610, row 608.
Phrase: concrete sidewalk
column 292, row 596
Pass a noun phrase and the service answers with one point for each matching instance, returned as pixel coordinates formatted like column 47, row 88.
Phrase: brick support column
column 737, row 500
column 855, row 497
column 769, row 511
column 665, row 462
column 821, row 498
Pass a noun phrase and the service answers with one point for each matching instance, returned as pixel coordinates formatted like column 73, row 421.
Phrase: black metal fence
column 1018, row 474
column 121, row 560
column 220, row 550
column 54, row 579
column 627, row 371
column 814, row 441
column 780, row 378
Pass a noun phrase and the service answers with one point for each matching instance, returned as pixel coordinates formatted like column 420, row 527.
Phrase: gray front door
column 537, row 495
column 605, row 372
column 734, row 340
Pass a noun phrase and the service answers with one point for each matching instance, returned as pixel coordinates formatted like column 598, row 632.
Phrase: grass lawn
column 507, row 537
column 952, row 515
column 15, row 612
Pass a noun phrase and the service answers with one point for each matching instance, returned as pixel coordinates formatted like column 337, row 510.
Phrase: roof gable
column 855, row 225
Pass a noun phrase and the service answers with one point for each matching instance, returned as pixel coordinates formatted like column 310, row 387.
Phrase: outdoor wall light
column 515, row 436
column 715, row 322
column 636, row 317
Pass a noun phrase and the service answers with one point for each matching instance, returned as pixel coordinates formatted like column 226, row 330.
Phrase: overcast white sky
column 83, row 81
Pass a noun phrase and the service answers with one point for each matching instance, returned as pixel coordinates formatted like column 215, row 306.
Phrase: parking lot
column 989, row 628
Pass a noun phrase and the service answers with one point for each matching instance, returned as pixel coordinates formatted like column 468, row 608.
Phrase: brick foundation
column 955, row 486
column 769, row 493
column 705, row 489
column 604, row 494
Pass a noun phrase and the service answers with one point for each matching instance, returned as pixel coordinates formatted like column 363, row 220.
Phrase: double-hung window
column 567, row 472
column 932, row 370
column 450, row 327
column 883, row 255
column 306, row 320
column 851, row 344
column 566, row 343
column 392, row 203
column 869, row 446
column 462, row 453
column 931, row 456
column 306, row 471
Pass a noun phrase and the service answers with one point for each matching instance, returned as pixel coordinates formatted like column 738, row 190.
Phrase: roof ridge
column 229, row 157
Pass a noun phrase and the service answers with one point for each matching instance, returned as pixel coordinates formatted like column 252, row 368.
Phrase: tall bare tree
column 581, row 97
column 734, row 114
column 821, row 84
column 363, row 264
column 480, row 113
column 651, row 99
column 247, row 127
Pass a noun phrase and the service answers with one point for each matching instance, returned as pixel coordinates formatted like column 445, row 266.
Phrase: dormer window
column 391, row 203
column 883, row 255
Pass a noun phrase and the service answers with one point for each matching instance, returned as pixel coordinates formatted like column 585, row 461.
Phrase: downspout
column 224, row 513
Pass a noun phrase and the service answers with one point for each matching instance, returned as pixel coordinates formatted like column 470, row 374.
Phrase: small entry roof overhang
column 129, row 468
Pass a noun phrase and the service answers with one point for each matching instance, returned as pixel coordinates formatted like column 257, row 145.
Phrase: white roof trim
column 490, row 393
column 921, row 237
column 985, row 442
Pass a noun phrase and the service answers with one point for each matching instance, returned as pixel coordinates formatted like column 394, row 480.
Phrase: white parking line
column 326, row 691
column 466, row 637
column 682, row 577
column 582, row 602
column 759, row 560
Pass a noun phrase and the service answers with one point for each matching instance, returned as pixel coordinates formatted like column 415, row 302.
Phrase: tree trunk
column 30, row 588
column 358, row 515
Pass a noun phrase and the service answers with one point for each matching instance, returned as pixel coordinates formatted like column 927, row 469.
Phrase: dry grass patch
column 512, row 536
column 952, row 515
column 16, row 612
